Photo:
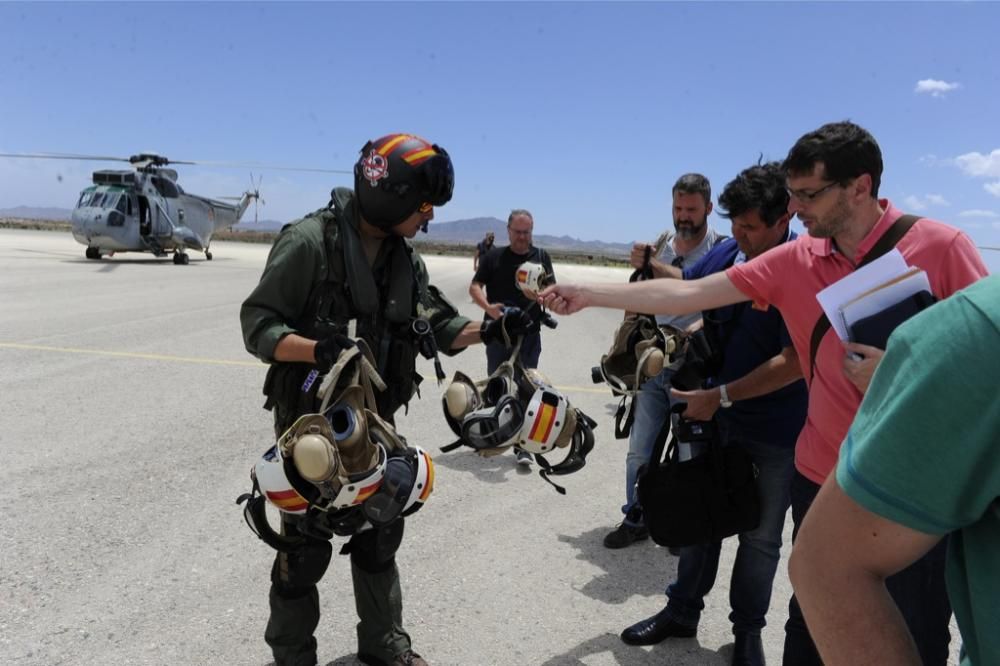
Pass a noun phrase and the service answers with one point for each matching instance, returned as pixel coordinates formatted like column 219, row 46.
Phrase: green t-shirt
column 924, row 449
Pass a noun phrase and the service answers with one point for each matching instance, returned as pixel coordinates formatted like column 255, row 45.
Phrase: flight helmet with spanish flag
column 399, row 174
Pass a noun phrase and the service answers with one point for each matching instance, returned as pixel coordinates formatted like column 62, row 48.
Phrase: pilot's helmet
column 546, row 418
column 398, row 174
column 531, row 278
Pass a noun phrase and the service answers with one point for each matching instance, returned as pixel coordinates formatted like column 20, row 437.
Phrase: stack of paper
column 868, row 304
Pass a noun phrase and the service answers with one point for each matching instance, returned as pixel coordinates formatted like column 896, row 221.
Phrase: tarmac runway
column 131, row 416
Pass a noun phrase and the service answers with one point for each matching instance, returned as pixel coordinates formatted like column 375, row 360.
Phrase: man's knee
column 374, row 551
column 295, row 574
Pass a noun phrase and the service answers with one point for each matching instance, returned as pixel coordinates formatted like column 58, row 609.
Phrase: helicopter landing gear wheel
column 181, row 258
column 93, row 253
column 208, row 255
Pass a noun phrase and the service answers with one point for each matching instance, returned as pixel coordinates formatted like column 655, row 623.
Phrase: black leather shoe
column 655, row 629
column 624, row 535
column 748, row 650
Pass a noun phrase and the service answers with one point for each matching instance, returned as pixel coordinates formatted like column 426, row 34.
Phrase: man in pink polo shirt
column 833, row 177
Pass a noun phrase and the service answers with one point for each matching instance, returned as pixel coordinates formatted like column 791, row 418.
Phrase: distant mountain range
column 30, row 213
column 465, row 232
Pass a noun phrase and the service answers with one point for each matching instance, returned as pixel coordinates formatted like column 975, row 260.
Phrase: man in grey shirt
column 692, row 239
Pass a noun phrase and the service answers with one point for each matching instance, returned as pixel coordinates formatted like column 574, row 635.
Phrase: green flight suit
column 317, row 279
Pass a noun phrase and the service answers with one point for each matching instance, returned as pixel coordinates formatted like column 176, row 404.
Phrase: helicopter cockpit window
column 110, row 200
column 96, row 200
column 85, row 198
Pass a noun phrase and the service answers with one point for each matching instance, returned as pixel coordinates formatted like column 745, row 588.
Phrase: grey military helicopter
column 145, row 209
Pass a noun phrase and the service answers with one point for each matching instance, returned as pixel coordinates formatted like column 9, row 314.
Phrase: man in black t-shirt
column 482, row 247
column 496, row 272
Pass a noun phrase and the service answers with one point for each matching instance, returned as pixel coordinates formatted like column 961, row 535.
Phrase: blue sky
column 584, row 113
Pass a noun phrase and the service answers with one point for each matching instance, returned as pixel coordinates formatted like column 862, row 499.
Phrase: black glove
column 327, row 351
column 514, row 323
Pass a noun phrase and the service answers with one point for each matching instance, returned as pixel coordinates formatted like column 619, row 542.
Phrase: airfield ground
column 131, row 417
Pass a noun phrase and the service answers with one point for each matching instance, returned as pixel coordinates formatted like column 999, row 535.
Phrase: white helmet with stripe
column 531, row 278
column 545, row 419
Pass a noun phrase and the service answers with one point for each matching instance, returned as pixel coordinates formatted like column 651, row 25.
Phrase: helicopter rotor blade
column 260, row 165
column 152, row 159
column 67, row 156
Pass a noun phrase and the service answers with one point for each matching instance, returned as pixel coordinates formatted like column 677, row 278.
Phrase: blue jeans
column 918, row 590
column 756, row 557
column 531, row 350
column 652, row 409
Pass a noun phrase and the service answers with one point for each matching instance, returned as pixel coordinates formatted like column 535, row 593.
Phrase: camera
column 596, row 375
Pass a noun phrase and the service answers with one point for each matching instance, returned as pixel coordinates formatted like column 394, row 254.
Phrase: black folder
column 874, row 330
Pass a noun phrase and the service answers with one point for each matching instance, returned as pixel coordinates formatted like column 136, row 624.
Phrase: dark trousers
column 531, row 350
column 756, row 557
column 918, row 590
column 294, row 598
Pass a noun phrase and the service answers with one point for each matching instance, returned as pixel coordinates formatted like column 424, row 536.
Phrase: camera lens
column 596, row 375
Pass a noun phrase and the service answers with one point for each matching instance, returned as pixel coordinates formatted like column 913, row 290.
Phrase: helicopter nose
column 88, row 222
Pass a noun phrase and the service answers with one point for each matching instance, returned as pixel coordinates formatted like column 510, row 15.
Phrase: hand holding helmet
column 514, row 323
column 531, row 278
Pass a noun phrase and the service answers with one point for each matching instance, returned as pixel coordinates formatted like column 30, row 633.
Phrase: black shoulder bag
column 701, row 500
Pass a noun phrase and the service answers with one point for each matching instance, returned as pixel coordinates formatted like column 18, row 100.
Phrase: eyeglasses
column 425, row 207
column 807, row 197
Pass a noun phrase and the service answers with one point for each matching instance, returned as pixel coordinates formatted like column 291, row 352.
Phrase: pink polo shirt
column 790, row 275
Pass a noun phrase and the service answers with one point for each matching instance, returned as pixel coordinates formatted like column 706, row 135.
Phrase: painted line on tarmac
column 204, row 361
column 151, row 357
column 583, row 389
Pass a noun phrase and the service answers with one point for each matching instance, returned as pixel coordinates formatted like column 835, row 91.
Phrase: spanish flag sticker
column 543, row 423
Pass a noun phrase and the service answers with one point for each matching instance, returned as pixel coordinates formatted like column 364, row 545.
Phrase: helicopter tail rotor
column 255, row 193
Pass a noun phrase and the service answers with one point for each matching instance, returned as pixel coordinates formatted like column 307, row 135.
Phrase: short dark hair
column 760, row 188
column 694, row 183
column 846, row 150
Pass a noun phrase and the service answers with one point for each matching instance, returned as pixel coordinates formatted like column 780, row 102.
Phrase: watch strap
column 724, row 400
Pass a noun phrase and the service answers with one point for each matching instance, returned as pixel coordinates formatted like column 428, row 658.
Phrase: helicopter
column 145, row 209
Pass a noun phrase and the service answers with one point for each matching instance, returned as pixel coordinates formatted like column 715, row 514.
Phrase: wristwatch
column 724, row 400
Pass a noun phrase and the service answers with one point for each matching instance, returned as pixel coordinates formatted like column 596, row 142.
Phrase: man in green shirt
column 920, row 462
column 350, row 261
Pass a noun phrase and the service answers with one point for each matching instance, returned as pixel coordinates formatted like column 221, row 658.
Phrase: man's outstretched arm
column 673, row 297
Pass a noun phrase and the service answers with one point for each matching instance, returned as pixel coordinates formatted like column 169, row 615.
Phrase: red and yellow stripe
column 412, row 157
column 367, row 492
column 522, row 277
column 430, row 477
column 391, row 143
column 418, row 155
column 287, row 500
column 542, row 426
